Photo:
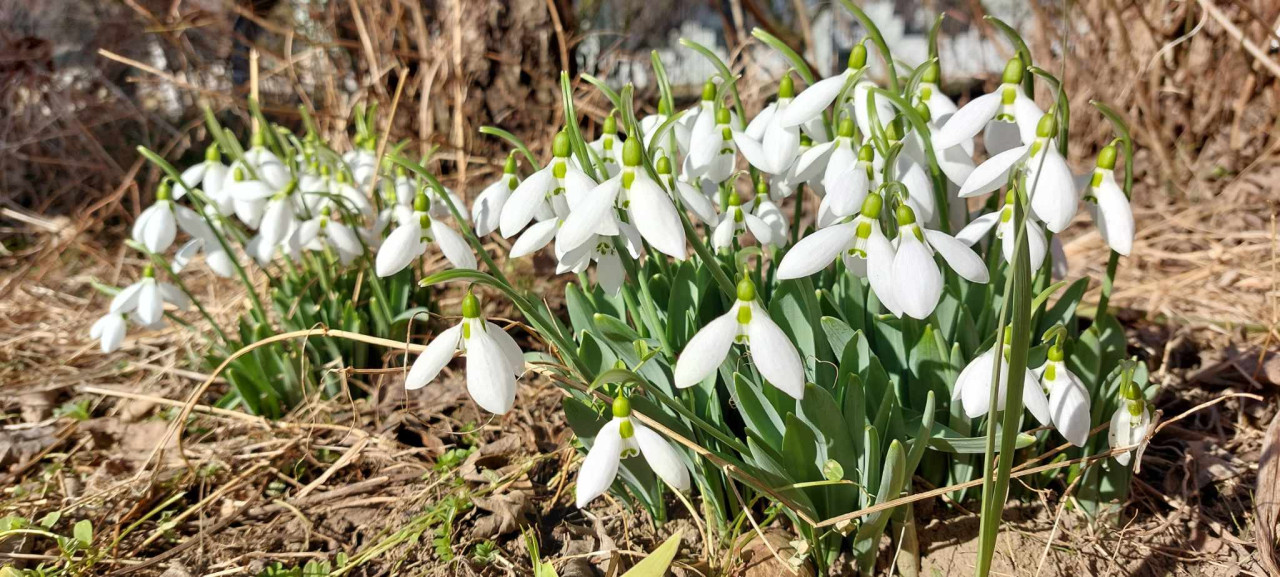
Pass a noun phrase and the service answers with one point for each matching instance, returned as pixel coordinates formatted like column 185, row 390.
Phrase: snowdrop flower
column 1108, row 205
column 409, row 241
column 801, row 173
column 648, row 208
column 278, row 222
column 747, row 323
column 928, row 93
column 712, row 152
column 768, row 144
column 1009, row 115
column 1068, row 398
column 214, row 256
column 692, row 198
column 1048, row 178
column 547, row 193
column 109, row 331
column 494, row 360
column 208, row 175
column 600, row 250
column 487, row 209
column 679, row 129
column 362, row 161
column 1131, row 421
column 323, row 232
column 146, row 298
column 847, row 178
column 858, row 240
column 917, row 281
column 738, row 219
column 973, row 386
column 623, row 438
column 956, row 162
column 158, row 225
column 1002, row 221
column 607, row 146
column 810, row 104
column 266, row 164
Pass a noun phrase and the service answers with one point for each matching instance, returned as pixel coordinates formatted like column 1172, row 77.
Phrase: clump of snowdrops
column 723, row 337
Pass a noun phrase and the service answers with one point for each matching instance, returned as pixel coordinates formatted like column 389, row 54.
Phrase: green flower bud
column 664, row 165
column 735, row 199
column 164, row 192
column 420, row 202
column 621, row 406
column 257, row 140
column 510, row 166
column 212, row 154
column 931, row 74
column 560, row 145
column 663, row 108
column 149, row 271
column 906, row 216
column 866, row 153
column 1012, row 71
column 858, row 56
column 632, row 153
column 923, row 110
column 893, row 132
column 722, row 116
column 872, row 205
column 786, row 86
column 470, row 306
column 610, row 125
column 845, row 128
column 1107, row 157
column 1047, row 126
column 708, row 90
column 805, row 141
column 746, row 290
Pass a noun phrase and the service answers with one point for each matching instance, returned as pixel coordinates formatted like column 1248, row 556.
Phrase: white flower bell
column 767, row 143
column 917, row 280
column 1009, row 115
column 692, row 198
column 146, row 298
column 809, row 105
column 409, row 241
column 109, row 330
column 208, row 175
column 712, row 152
column 858, row 240
column 486, row 212
column 738, row 218
column 1049, row 182
column 623, row 438
column 679, row 129
column 1003, row 223
column 494, row 360
column 1068, row 397
column 158, row 225
column 1130, row 422
column 1108, row 205
column 608, row 147
column 648, row 208
column 547, row 193
column 973, row 386
column 847, row 178
column 323, row 232
column 746, row 322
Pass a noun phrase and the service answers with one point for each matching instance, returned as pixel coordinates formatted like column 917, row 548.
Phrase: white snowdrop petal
column 978, row 228
column 753, row 151
column 816, row 251
column 161, row 229
column 402, row 246
column 194, row 175
column 609, row 273
column 150, row 305
column 489, row 377
column 706, row 350
column 812, row 101
column 760, row 124
column 1069, row 408
column 1114, row 216
column 774, row 355
column 696, row 202
column 601, row 465
column 959, row 256
column 112, row 333
column 524, row 202
column 1028, row 116
column 510, row 350
column 534, row 238
column 817, row 156
column 968, row 121
column 586, row 217
column 662, row 457
column 127, row 299
column 1051, row 188
column 656, row 218
column 780, row 146
column 454, row 247
column 434, row 358
column 1034, row 400
column 173, row 295
column 1001, row 136
column 760, row 229
column 991, row 174
column 344, row 238
column 1118, row 434
column 577, row 185
column 487, row 210
column 916, row 278
column 880, row 257
column 974, row 385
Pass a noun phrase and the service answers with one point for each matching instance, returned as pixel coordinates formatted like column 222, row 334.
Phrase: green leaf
column 838, row 332
column 757, row 412
column 83, row 532
column 790, row 54
column 657, row 563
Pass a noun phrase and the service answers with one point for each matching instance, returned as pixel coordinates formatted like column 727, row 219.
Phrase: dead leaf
column 507, row 512
column 1266, row 500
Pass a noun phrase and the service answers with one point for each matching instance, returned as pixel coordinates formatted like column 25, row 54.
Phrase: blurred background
column 83, row 82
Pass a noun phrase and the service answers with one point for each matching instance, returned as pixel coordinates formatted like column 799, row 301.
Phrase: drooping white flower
column 1068, row 398
column 712, row 152
column 1009, row 115
column 208, row 175
column 858, row 240
column 1003, row 223
column 323, row 232
column 547, row 193
column 767, row 143
column 494, row 360
column 748, row 323
column 486, row 212
column 648, row 208
column 248, row 195
column 738, row 218
column 678, row 128
column 802, row 172
column 157, row 226
column 917, row 280
column 809, row 104
column 600, row 249
column 691, row 197
column 1108, row 205
column 1049, row 182
column 607, row 147
column 109, row 330
column 956, row 162
column 847, row 178
column 410, row 240
column 1129, row 425
column 623, row 438
column 973, row 387
column 935, row 101
column 146, row 298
